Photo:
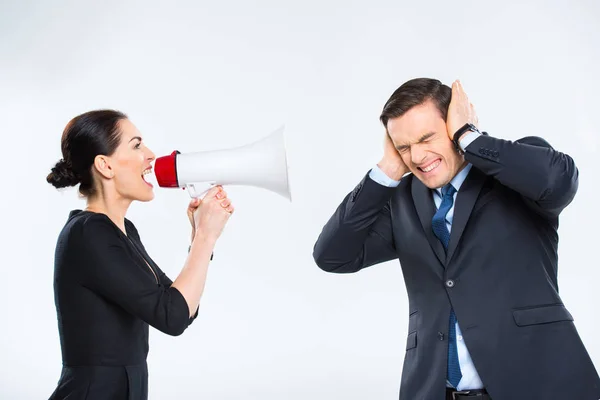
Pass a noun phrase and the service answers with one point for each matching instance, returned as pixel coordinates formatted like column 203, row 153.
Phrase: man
column 473, row 220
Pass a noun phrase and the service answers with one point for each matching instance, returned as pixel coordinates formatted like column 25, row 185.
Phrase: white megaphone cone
column 261, row 164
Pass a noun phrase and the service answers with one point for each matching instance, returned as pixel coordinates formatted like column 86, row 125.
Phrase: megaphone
column 260, row 164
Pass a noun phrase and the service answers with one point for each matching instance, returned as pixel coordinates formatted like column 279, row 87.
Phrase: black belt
column 478, row 394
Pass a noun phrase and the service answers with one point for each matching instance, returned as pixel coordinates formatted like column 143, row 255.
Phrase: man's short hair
column 414, row 93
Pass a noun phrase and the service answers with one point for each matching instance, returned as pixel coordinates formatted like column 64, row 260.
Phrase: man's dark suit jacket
column 499, row 273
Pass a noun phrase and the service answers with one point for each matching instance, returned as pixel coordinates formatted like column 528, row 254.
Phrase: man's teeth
column 432, row 166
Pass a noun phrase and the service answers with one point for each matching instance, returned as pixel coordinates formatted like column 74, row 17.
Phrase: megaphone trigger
column 194, row 192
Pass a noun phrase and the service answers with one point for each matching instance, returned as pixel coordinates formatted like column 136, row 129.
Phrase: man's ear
column 103, row 166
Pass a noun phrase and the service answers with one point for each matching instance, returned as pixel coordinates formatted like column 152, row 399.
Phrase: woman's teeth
column 146, row 172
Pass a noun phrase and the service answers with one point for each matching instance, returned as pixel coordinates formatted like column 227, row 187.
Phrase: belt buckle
column 458, row 393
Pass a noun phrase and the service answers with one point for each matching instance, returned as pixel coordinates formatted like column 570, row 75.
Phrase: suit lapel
column 423, row 200
column 465, row 200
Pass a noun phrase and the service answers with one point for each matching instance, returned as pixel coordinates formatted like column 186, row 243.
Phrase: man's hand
column 391, row 164
column 460, row 111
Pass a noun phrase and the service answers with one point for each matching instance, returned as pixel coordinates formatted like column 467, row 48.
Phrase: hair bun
column 62, row 175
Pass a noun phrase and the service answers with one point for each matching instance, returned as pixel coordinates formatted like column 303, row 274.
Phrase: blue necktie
column 438, row 223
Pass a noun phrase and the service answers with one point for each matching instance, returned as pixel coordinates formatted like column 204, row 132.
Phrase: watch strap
column 466, row 127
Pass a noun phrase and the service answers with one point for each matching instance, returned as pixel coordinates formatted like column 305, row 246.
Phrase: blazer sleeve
column 359, row 233
column 546, row 178
column 163, row 278
column 110, row 269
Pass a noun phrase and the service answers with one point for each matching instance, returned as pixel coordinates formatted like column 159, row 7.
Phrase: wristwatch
column 466, row 127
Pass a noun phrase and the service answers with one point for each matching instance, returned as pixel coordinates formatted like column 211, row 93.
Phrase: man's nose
column 417, row 154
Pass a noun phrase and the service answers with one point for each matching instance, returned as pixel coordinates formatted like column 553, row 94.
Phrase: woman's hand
column 209, row 216
column 194, row 204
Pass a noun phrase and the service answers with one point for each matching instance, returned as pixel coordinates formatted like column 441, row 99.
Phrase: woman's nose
column 151, row 156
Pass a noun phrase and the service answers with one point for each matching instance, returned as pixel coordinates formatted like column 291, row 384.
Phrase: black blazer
column 499, row 274
column 106, row 297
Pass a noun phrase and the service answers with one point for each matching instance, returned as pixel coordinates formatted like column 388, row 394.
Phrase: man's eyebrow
column 421, row 139
column 425, row 137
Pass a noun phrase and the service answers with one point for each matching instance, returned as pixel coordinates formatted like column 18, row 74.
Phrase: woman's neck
column 115, row 209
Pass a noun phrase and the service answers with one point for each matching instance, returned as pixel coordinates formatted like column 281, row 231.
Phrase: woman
column 107, row 288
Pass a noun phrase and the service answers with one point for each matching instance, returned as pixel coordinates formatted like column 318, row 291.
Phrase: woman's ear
column 103, row 166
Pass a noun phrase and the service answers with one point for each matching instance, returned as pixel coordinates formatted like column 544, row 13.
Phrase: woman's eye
column 137, row 146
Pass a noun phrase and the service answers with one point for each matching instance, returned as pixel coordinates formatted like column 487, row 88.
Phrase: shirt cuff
column 380, row 177
column 468, row 139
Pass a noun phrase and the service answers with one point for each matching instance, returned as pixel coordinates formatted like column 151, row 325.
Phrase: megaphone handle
column 193, row 192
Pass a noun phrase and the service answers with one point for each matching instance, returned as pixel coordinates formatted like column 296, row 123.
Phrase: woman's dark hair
column 85, row 136
column 414, row 93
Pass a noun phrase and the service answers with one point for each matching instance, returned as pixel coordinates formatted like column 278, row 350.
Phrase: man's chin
column 431, row 181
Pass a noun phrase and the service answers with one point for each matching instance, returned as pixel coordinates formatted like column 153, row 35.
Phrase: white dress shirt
column 470, row 378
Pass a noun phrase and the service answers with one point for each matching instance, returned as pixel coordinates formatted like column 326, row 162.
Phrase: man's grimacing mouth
column 431, row 166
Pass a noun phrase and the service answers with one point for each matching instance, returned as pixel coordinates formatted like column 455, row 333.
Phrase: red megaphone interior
column 165, row 170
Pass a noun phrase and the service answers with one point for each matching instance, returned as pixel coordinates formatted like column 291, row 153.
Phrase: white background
column 208, row 75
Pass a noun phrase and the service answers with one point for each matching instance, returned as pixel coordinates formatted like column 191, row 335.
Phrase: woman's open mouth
column 146, row 172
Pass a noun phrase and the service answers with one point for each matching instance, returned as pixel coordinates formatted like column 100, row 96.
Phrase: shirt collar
column 458, row 179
